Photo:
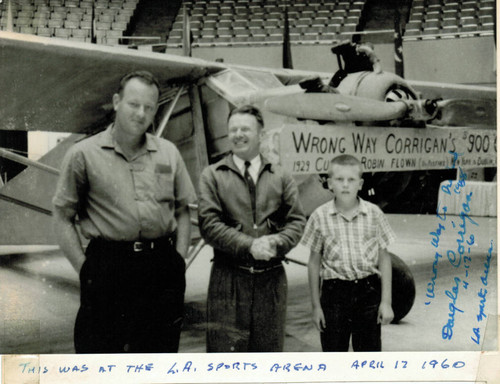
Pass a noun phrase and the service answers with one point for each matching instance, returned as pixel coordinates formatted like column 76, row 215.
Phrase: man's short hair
column 145, row 76
column 248, row 109
column 346, row 160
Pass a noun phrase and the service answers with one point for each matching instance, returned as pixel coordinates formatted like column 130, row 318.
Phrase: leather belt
column 250, row 269
column 369, row 279
column 136, row 246
column 253, row 270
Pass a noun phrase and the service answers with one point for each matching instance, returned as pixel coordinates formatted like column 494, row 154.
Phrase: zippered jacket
column 225, row 211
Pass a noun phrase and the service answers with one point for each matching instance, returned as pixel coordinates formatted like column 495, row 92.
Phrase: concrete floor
column 39, row 296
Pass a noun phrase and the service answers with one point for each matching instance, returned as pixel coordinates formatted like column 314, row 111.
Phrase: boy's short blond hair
column 345, row 160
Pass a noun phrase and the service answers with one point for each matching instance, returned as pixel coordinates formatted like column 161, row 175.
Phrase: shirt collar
column 255, row 163
column 108, row 141
column 228, row 162
column 362, row 207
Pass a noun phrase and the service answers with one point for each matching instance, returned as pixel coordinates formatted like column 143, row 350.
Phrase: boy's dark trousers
column 351, row 308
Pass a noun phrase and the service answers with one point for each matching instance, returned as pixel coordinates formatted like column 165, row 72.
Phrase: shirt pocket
column 332, row 246
column 164, row 186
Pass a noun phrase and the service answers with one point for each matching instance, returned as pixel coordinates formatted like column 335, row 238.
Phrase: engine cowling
column 376, row 86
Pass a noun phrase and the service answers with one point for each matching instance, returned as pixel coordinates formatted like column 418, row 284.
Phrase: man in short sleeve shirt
column 129, row 191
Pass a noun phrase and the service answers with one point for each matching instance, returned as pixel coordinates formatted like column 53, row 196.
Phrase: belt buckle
column 138, row 246
column 252, row 271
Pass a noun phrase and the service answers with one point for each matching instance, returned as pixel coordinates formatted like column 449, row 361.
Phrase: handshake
column 265, row 247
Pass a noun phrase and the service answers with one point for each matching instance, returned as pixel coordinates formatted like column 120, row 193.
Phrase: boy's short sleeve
column 386, row 235
column 312, row 237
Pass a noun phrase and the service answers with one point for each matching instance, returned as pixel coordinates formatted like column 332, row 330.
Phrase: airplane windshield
column 232, row 84
column 261, row 79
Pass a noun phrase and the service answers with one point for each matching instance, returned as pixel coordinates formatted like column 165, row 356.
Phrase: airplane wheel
column 403, row 288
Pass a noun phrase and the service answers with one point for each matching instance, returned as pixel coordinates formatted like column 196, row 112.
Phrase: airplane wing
column 433, row 90
column 54, row 85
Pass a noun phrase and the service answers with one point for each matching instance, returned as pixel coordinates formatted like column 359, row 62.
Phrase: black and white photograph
column 185, row 177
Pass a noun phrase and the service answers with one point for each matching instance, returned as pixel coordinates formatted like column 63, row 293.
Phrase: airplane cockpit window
column 233, row 84
column 262, row 79
column 230, row 83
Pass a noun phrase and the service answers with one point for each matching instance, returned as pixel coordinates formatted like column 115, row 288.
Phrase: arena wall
column 461, row 60
column 466, row 60
column 305, row 57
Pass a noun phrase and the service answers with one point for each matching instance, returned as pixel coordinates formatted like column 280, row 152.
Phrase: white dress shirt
column 253, row 169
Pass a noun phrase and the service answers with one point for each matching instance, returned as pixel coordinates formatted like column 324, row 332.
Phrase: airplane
column 57, row 86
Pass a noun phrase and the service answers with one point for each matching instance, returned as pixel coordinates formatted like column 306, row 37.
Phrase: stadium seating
column 70, row 19
column 240, row 22
column 439, row 19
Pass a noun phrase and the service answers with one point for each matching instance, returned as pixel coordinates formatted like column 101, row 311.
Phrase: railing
column 326, row 40
column 448, row 35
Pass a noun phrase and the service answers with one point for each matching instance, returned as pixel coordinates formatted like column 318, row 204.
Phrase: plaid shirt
column 349, row 248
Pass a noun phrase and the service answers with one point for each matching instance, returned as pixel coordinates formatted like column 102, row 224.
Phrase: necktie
column 251, row 187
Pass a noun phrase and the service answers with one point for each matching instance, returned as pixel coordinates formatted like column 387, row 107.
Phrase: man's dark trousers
column 131, row 301
column 246, row 311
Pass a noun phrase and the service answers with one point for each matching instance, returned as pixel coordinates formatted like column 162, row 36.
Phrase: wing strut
column 24, row 204
column 166, row 117
column 23, row 160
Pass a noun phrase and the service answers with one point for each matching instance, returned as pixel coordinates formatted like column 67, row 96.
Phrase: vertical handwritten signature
column 458, row 256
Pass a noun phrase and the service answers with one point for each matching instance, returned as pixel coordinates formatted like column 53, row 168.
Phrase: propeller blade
column 335, row 107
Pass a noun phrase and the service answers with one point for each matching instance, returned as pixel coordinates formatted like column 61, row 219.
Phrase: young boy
column 348, row 238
